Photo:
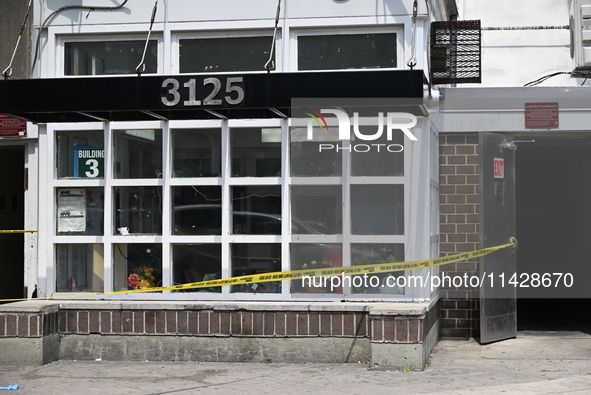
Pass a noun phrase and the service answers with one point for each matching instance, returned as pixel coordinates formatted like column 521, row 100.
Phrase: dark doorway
column 12, row 213
column 554, row 233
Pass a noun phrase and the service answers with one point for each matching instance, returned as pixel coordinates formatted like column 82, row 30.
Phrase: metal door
column 498, row 312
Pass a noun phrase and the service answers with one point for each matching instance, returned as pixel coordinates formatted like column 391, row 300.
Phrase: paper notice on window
column 71, row 210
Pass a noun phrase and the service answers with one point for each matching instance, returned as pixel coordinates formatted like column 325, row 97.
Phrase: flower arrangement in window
column 142, row 277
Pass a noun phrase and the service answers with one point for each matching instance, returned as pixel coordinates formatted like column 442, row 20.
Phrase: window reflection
column 347, row 51
column 382, row 283
column 138, row 153
column 316, row 209
column 377, row 209
column 196, row 153
column 256, row 210
column 79, row 268
column 197, row 262
column 109, row 57
column 256, row 152
column 224, row 54
column 251, row 258
column 309, row 158
column 385, row 158
column 138, row 210
column 197, row 210
column 315, row 256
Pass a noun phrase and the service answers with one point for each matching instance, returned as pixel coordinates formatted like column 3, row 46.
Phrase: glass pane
column 250, row 259
column 138, row 153
column 80, row 268
column 197, row 210
column 256, row 210
column 256, row 152
column 196, row 153
column 197, row 262
column 380, row 283
column 347, row 51
column 380, row 157
column 317, row 157
column 80, row 154
column 80, row 211
column 316, row 209
column 138, row 210
column 137, row 266
column 109, row 57
column 377, row 209
column 214, row 55
column 315, row 256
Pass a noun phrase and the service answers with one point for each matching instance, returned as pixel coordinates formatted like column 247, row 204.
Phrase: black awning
column 198, row 96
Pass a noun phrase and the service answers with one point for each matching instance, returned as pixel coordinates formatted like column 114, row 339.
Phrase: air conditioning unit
column 580, row 31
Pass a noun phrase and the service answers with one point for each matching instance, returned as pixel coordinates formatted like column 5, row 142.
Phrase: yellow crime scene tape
column 17, row 231
column 298, row 274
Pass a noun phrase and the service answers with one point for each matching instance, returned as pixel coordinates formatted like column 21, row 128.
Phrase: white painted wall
column 514, row 58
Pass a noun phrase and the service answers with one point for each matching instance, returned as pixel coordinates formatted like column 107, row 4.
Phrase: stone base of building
column 388, row 336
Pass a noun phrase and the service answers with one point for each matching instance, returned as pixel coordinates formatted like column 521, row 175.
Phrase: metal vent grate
column 455, row 52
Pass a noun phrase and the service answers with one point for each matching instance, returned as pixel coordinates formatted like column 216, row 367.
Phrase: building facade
column 167, row 148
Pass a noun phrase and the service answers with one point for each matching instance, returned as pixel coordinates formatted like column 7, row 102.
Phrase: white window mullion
column 46, row 213
column 226, row 206
column 167, row 275
column 108, row 214
column 285, row 206
column 346, row 209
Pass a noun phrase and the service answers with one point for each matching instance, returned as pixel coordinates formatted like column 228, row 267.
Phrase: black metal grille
column 455, row 52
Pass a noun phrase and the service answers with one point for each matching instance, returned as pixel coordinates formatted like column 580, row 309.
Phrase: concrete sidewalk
column 533, row 363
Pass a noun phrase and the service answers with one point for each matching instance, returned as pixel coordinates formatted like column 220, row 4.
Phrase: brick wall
column 459, row 227
column 213, row 323
column 27, row 324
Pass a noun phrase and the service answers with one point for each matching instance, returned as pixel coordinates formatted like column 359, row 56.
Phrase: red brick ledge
column 380, row 322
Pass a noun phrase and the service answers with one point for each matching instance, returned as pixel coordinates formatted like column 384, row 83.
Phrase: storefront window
column 316, row 209
column 80, row 154
column 256, row 210
column 137, row 210
column 377, row 209
column 197, row 210
column 317, row 157
column 347, row 51
column 109, row 57
column 79, row 268
column 256, row 258
column 80, row 211
column 197, row 262
column 256, row 152
column 214, row 55
column 196, row 153
column 137, row 266
column 315, row 256
column 379, row 283
column 138, row 153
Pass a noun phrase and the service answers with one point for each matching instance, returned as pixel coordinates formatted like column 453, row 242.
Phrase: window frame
column 62, row 39
column 297, row 32
column 231, row 33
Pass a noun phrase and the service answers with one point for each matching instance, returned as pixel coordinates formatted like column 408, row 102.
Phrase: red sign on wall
column 12, row 127
column 499, row 168
column 541, row 115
